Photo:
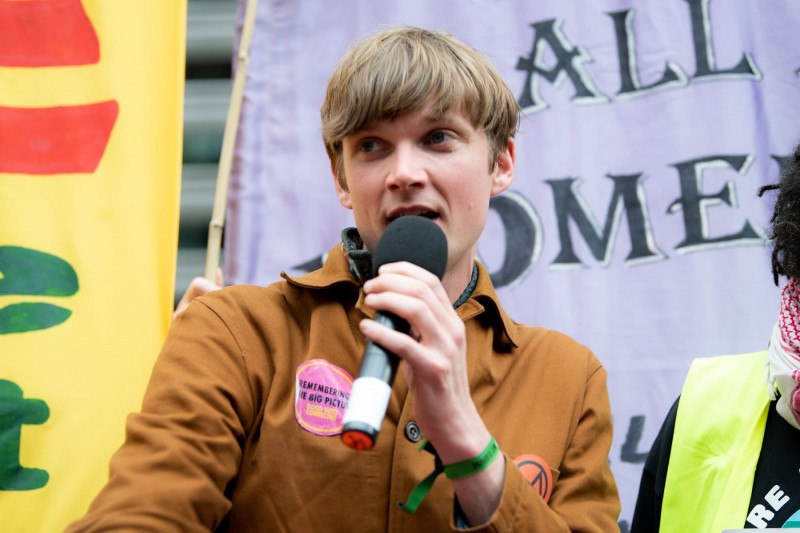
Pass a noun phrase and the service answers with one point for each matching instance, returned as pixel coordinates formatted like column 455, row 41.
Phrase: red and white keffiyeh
column 783, row 361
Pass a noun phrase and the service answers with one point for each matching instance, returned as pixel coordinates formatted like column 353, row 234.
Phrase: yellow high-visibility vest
column 719, row 429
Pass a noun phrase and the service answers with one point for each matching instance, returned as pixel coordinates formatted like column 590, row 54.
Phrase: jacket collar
column 337, row 270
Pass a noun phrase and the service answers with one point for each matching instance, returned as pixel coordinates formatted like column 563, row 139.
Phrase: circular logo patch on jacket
column 537, row 472
column 321, row 393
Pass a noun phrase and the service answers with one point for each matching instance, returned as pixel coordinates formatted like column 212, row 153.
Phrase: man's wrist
column 474, row 465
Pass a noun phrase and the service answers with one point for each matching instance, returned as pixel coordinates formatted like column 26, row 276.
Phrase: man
column 726, row 455
column 239, row 424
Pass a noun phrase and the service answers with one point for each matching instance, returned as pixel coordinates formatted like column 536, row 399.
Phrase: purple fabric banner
column 633, row 223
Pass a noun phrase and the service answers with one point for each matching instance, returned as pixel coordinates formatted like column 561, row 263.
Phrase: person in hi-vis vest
column 726, row 456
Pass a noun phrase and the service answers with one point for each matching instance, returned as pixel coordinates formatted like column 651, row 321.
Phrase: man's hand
column 197, row 287
column 435, row 357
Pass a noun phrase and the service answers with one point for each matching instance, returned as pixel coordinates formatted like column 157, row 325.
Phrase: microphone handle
column 378, row 362
column 372, row 389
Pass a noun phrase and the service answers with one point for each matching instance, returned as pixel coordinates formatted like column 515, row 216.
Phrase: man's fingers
column 197, row 287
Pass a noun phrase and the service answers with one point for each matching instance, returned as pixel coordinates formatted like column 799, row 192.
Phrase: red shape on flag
column 46, row 33
column 55, row 140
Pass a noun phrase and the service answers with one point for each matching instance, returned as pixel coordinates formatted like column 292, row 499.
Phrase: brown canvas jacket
column 218, row 446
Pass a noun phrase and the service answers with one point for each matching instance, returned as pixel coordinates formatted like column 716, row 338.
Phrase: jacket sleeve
column 183, row 449
column 584, row 498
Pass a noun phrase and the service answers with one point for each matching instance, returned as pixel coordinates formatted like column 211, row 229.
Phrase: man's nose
column 407, row 168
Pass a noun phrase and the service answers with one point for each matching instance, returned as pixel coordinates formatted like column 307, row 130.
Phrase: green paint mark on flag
column 27, row 272
column 16, row 411
column 30, row 272
column 22, row 317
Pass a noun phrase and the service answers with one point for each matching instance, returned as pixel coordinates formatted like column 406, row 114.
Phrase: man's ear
column 341, row 192
column 503, row 173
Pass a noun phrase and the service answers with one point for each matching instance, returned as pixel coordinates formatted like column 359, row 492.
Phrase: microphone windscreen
column 415, row 239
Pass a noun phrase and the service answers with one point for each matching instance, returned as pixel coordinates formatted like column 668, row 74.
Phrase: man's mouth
column 432, row 215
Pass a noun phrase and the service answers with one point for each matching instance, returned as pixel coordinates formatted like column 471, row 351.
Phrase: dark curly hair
column 785, row 220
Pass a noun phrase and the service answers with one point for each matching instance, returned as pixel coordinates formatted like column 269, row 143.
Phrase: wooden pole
column 228, row 142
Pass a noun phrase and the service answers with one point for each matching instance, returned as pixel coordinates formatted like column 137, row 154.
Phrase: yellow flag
column 91, row 111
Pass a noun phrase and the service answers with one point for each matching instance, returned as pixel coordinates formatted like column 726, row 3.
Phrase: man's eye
column 369, row 146
column 438, row 137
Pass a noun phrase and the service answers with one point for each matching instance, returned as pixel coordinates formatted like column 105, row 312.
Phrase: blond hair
column 400, row 70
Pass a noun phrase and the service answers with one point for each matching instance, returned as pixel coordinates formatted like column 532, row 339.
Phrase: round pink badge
column 321, row 393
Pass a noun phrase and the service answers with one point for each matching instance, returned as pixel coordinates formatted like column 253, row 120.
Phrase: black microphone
column 417, row 240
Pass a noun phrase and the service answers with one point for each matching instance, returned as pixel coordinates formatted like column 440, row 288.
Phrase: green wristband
column 453, row 471
column 474, row 465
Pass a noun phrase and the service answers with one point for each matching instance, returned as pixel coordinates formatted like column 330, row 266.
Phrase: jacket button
column 412, row 432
